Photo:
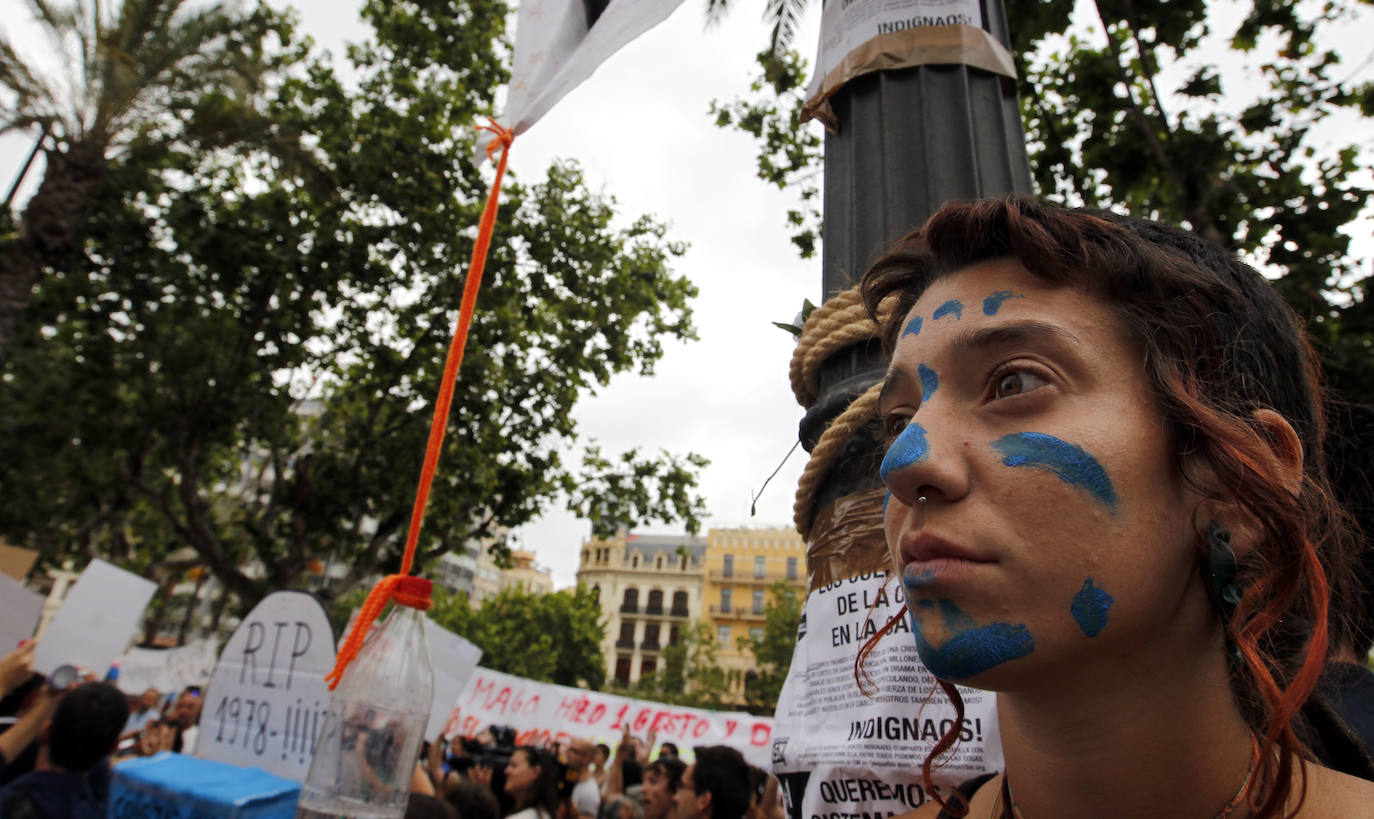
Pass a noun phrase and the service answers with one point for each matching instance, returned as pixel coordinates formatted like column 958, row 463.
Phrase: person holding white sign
column 1107, row 503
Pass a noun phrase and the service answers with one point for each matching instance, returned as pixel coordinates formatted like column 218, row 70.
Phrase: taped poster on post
column 862, row 36
column 546, row 713
column 267, row 697
column 166, row 670
column 837, row 750
column 559, row 43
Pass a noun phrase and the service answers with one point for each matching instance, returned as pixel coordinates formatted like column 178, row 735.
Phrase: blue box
column 175, row 786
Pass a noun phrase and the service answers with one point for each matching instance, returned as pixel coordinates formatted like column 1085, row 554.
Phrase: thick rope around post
column 839, row 323
column 385, row 590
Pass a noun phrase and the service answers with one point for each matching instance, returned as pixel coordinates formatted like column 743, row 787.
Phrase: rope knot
column 503, row 137
column 404, row 590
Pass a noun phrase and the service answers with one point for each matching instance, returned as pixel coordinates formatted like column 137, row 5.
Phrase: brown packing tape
column 847, row 539
column 924, row 45
column 16, row 562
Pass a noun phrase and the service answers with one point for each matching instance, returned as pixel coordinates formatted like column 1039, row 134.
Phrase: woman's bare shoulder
column 1332, row 793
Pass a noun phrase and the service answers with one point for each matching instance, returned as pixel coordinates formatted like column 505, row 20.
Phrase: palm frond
column 716, row 10
column 785, row 15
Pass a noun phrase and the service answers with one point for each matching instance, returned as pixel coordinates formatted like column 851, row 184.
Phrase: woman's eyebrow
column 895, row 380
column 1004, row 334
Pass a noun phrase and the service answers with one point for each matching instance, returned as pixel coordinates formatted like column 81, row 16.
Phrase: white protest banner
column 167, row 670
column 267, row 696
column 454, row 661
column 835, row 747
column 862, row 36
column 542, row 712
column 19, row 613
column 559, row 43
column 97, row 620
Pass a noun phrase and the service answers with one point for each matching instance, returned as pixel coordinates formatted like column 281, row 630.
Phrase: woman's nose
column 924, row 462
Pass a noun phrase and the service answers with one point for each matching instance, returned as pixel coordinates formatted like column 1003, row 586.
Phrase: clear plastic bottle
column 366, row 751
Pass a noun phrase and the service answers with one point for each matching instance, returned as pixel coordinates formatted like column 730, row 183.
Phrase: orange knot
column 413, row 592
column 504, row 137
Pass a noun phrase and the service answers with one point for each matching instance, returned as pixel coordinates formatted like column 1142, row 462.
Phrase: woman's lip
column 919, row 574
column 927, row 547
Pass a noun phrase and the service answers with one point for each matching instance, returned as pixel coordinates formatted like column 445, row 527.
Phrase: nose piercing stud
column 921, row 500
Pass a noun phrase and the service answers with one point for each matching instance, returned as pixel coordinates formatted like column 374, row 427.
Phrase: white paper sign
column 559, row 43
column 100, row 616
column 168, row 670
column 848, row 24
column 839, row 752
column 267, row 696
column 454, row 661
column 19, row 613
column 544, row 713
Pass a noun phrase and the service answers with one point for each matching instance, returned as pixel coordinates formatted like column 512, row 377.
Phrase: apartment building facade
column 649, row 588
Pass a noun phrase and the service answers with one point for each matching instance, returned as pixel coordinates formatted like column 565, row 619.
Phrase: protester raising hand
column 16, row 667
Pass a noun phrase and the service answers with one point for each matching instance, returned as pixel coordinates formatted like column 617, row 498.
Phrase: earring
column 1221, row 570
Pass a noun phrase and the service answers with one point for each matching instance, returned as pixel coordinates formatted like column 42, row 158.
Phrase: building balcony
column 628, row 644
column 656, row 610
column 736, row 613
column 718, row 576
column 649, row 645
column 629, row 608
column 679, row 613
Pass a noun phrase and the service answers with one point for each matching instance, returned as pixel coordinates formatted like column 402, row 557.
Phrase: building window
column 729, row 569
column 672, row 635
column 725, row 601
column 723, row 635
column 647, row 667
column 655, row 604
column 650, row 637
column 631, row 603
column 684, row 563
column 658, row 561
column 622, row 669
column 585, row 555
column 679, row 604
column 596, row 593
column 760, row 563
column 758, row 601
column 627, row 636
column 634, row 561
column 756, row 633
column 791, row 568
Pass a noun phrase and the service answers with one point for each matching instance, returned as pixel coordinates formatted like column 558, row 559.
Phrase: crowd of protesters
column 59, row 736
column 489, row 777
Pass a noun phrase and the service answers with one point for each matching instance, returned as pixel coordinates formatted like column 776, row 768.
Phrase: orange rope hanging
column 386, row 588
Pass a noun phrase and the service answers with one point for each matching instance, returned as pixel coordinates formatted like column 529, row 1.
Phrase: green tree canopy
column 1241, row 122
column 553, row 637
column 133, row 68
column 773, row 651
column 241, row 353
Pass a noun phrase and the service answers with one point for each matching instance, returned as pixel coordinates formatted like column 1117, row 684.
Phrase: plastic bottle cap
column 415, row 587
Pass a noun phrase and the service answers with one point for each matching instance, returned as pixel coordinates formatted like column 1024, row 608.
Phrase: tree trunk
column 191, row 607
column 159, row 610
column 47, row 228
column 219, row 611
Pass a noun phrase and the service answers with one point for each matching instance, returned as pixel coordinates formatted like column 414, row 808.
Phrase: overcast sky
column 640, row 129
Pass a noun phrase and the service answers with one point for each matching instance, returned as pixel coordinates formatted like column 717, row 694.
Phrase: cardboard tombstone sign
column 267, row 697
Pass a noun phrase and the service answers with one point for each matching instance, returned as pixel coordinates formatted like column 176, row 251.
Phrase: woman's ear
column 1286, row 446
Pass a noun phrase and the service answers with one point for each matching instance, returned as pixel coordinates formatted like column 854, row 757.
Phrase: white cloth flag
column 559, row 43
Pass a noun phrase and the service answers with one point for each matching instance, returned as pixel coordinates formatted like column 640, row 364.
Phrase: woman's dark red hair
column 1217, row 343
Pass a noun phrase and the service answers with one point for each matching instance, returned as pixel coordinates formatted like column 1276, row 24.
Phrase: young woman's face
column 520, row 774
column 1055, row 528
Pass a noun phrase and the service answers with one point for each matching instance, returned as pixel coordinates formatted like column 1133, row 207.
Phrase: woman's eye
column 1017, row 382
column 895, row 424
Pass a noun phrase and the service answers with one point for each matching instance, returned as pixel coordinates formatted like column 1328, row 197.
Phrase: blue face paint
column 1090, row 608
column 969, row 649
column 929, row 381
column 953, row 307
column 993, row 303
column 909, row 448
column 912, row 327
column 1073, row 466
column 887, row 497
column 919, row 581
